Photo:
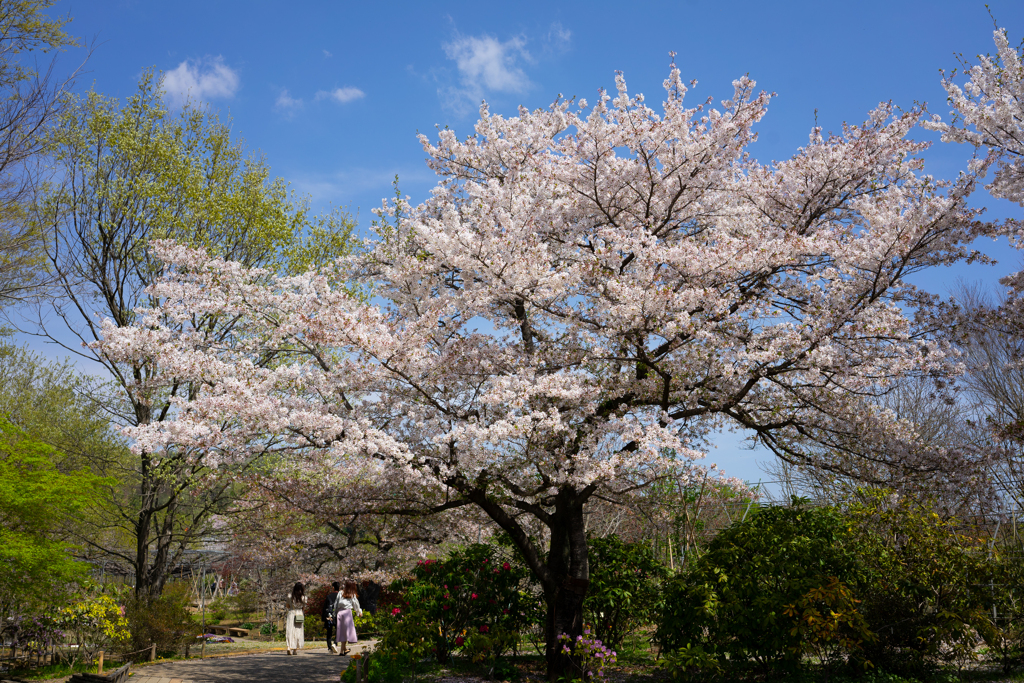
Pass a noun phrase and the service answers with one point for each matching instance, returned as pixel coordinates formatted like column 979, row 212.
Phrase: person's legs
column 329, row 631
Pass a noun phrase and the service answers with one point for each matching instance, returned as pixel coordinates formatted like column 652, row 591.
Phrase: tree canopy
column 586, row 292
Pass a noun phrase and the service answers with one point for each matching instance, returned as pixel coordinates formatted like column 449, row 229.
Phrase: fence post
column 152, row 652
column 99, row 669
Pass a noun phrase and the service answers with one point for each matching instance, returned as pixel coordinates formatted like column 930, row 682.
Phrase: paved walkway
column 309, row 666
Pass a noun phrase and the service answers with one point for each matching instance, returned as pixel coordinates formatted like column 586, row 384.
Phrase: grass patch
column 54, row 671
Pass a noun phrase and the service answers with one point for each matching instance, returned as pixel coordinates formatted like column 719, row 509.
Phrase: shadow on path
column 311, row 665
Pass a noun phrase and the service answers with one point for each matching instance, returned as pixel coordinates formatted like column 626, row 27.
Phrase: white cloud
column 559, row 38
column 485, row 63
column 200, row 79
column 342, row 95
column 327, row 54
column 287, row 104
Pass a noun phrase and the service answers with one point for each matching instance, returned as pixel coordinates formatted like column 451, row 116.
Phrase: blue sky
column 334, row 93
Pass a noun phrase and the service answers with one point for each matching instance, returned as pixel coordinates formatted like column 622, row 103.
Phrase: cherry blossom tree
column 988, row 113
column 586, row 294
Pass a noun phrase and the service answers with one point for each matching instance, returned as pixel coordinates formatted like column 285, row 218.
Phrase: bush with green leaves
column 165, row 621
column 732, row 603
column 384, row 667
column 923, row 594
column 243, row 604
column 886, row 584
column 625, row 589
column 475, row 591
column 367, row 625
column 1001, row 623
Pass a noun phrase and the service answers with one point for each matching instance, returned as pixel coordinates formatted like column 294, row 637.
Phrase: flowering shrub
column 471, row 594
column 589, row 655
column 94, row 624
column 33, row 634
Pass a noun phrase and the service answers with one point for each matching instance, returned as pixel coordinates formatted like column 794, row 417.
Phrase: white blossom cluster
column 584, row 295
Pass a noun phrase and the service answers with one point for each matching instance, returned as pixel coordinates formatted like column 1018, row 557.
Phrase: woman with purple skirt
column 347, row 606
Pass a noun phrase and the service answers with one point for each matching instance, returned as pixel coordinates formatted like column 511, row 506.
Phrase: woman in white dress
column 347, row 606
column 294, row 636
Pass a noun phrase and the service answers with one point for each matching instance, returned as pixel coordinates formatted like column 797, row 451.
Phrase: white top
column 343, row 603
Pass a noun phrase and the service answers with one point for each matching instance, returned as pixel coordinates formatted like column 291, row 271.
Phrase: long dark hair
column 351, row 590
column 298, row 592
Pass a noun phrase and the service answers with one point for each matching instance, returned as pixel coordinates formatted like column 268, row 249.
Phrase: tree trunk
column 569, row 578
column 564, row 574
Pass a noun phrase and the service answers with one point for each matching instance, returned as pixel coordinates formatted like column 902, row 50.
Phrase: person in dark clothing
column 328, row 615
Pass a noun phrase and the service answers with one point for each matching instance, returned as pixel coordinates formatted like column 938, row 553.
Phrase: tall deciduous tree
column 585, row 294
column 30, row 101
column 132, row 172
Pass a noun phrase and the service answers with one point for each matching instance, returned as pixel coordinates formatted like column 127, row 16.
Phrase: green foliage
column 922, row 594
column 36, row 499
column 625, row 588
column 691, row 663
column 243, row 604
column 368, row 625
column 50, row 401
column 447, row 603
column 137, row 172
column 828, row 623
column 313, row 628
column 30, row 103
column 1001, row 623
column 24, row 28
column 166, row 620
column 885, row 585
column 733, row 600
column 384, row 667
column 94, row 623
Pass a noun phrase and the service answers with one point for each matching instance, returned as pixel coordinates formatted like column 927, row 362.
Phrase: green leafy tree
column 133, row 172
column 37, row 565
column 51, row 401
column 30, row 101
